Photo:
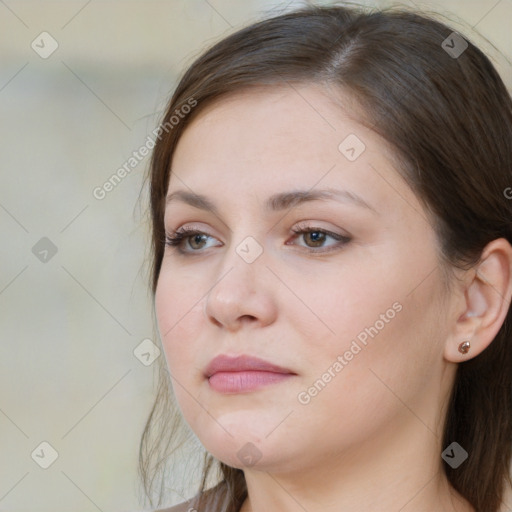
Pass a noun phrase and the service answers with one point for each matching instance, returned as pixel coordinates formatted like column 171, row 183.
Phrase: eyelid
column 314, row 226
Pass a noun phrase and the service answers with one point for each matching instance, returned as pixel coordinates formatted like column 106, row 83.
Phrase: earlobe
column 487, row 298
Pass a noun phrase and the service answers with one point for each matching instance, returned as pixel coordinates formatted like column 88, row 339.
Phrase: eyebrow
column 276, row 202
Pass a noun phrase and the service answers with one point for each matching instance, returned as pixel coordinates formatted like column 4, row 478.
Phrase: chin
column 244, row 442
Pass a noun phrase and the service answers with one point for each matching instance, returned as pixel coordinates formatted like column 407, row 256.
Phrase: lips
column 242, row 363
column 243, row 374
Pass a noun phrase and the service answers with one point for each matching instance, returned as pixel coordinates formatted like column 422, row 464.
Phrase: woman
column 332, row 267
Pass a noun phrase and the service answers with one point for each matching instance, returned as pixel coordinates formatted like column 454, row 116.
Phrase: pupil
column 316, row 236
column 196, row 239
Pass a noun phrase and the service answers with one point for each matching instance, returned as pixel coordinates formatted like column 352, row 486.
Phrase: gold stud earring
column 464, row 347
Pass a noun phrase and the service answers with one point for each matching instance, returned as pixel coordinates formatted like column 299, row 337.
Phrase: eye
column 315, row 238
column 177, row 238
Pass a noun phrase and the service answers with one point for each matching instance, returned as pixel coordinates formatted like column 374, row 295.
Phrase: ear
column 485, row 304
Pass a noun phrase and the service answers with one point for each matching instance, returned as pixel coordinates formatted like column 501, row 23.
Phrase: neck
column 405, row 475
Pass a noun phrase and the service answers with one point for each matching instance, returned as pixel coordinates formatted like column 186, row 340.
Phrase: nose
column 242, row 294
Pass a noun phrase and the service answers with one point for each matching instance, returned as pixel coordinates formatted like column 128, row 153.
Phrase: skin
column 371, row 438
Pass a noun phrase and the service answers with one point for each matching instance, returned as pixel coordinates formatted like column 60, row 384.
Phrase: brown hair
column 448, row 118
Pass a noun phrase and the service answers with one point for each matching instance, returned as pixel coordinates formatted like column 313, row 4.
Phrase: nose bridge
column 247, row 240
column 239, row 289
column 241, row 267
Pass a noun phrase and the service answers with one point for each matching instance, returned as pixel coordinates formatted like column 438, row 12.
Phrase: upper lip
column 224, row 363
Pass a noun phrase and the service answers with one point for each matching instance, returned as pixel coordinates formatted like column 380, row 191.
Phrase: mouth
column 243, row 374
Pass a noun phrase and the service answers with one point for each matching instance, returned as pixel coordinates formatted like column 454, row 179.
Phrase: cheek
column 355, row 306
column 179, row 315
column 385, row 334
column 366, row 388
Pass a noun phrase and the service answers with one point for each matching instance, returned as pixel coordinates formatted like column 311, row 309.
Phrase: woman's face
column 355, row 319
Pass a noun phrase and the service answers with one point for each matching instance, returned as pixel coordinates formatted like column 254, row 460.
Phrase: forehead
column 268, row 139
column 281, row 122
column 282, row 118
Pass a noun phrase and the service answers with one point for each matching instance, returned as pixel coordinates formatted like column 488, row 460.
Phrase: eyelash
column 174, row 240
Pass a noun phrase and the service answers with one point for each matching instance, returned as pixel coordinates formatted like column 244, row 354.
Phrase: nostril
column 247, row 318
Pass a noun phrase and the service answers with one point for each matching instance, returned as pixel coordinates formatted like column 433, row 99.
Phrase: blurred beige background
column 74, row 303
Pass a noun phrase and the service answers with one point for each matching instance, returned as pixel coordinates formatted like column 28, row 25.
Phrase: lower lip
column 242, row 382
